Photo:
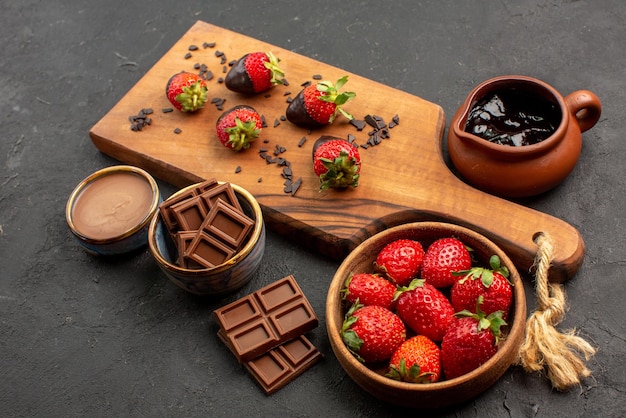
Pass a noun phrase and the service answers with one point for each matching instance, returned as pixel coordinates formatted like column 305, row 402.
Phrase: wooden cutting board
column 403, row 179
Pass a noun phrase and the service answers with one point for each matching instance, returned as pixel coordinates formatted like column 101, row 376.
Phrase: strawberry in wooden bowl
column 415, row 375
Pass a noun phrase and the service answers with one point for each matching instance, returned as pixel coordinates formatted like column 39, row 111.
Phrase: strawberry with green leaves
column 318, row 104
column 239, row 126
column 369, row 289
column 470, row 341
column 417, row 360
column 490, row 284
column 372, row 333
column 254, row 72
column 186, row 91
column 424, row 309
column 336, row 162
column 400, row 260
column 444, row 257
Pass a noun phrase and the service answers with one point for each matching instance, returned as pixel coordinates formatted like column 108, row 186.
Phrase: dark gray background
column 81, row 336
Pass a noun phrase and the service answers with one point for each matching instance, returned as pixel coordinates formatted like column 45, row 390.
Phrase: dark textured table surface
column 82, row 336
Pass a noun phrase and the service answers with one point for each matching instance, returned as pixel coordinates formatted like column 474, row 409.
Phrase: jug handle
column 585, row 107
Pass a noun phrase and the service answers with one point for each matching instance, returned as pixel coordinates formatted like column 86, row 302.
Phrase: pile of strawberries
column 428, row 314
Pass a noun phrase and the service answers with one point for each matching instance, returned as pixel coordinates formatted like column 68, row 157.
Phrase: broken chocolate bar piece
column 183, row 240
column 168, row 215
column 224, row 192
column 207, row 252
column 265, row 319
column 227, row 224
column 206, row 185
column 283, row 364
column 189, row 214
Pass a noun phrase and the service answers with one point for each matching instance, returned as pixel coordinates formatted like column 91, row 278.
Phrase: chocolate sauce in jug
column 513, row 117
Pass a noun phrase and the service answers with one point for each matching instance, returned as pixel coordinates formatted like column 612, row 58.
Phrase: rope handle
column 544, row 346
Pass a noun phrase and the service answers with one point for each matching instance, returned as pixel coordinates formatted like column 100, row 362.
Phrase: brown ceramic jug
column 525, row 170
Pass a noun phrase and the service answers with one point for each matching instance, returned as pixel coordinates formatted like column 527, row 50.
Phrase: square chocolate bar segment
column 222, row 192
column 207, row 251
column 227, row 224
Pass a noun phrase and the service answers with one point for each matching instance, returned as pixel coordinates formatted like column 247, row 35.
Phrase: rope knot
column 544, row 346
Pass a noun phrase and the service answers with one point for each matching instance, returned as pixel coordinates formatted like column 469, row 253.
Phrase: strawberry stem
column 240, row 135
column 277, row 74
column 193, row 97
column 330, row 93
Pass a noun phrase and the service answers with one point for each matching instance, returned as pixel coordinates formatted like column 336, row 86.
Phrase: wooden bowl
column 222, row 279
column 432, row 395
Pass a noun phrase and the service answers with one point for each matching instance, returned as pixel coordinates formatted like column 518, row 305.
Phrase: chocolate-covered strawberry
column 319, row 104
column 336, row 162
column 186, row 91
column 254, row 72
column 238, row 127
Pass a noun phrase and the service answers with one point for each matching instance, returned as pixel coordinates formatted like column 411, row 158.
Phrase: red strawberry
column 239, row 126
column 372, row 333
column 254, row 72
column 417, row 360
column 442, row 258
column 424, row 309
column 186, row 91
column 369, row 289
column 319, row 104
column 492, row 284
column 336, row 162
column 470, row 341
column 400, row 261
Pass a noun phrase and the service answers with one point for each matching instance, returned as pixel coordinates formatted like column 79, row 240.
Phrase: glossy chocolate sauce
column 513, row 117
column 111, row 205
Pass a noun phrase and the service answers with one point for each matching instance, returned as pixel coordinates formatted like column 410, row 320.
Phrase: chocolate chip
column 167, row 109
column 188, row 55
column 177, row 131
column 358, row 124
column 276, row 122
column 295, row 186
column 208, row 45
column 317, row 77
column 238, row 169
column 193, row 47
column 302, row 141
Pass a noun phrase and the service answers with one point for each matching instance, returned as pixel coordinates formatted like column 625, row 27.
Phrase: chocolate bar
column 265, row 319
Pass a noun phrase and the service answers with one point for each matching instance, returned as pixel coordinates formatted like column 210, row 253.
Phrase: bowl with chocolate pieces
column 208, row 238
